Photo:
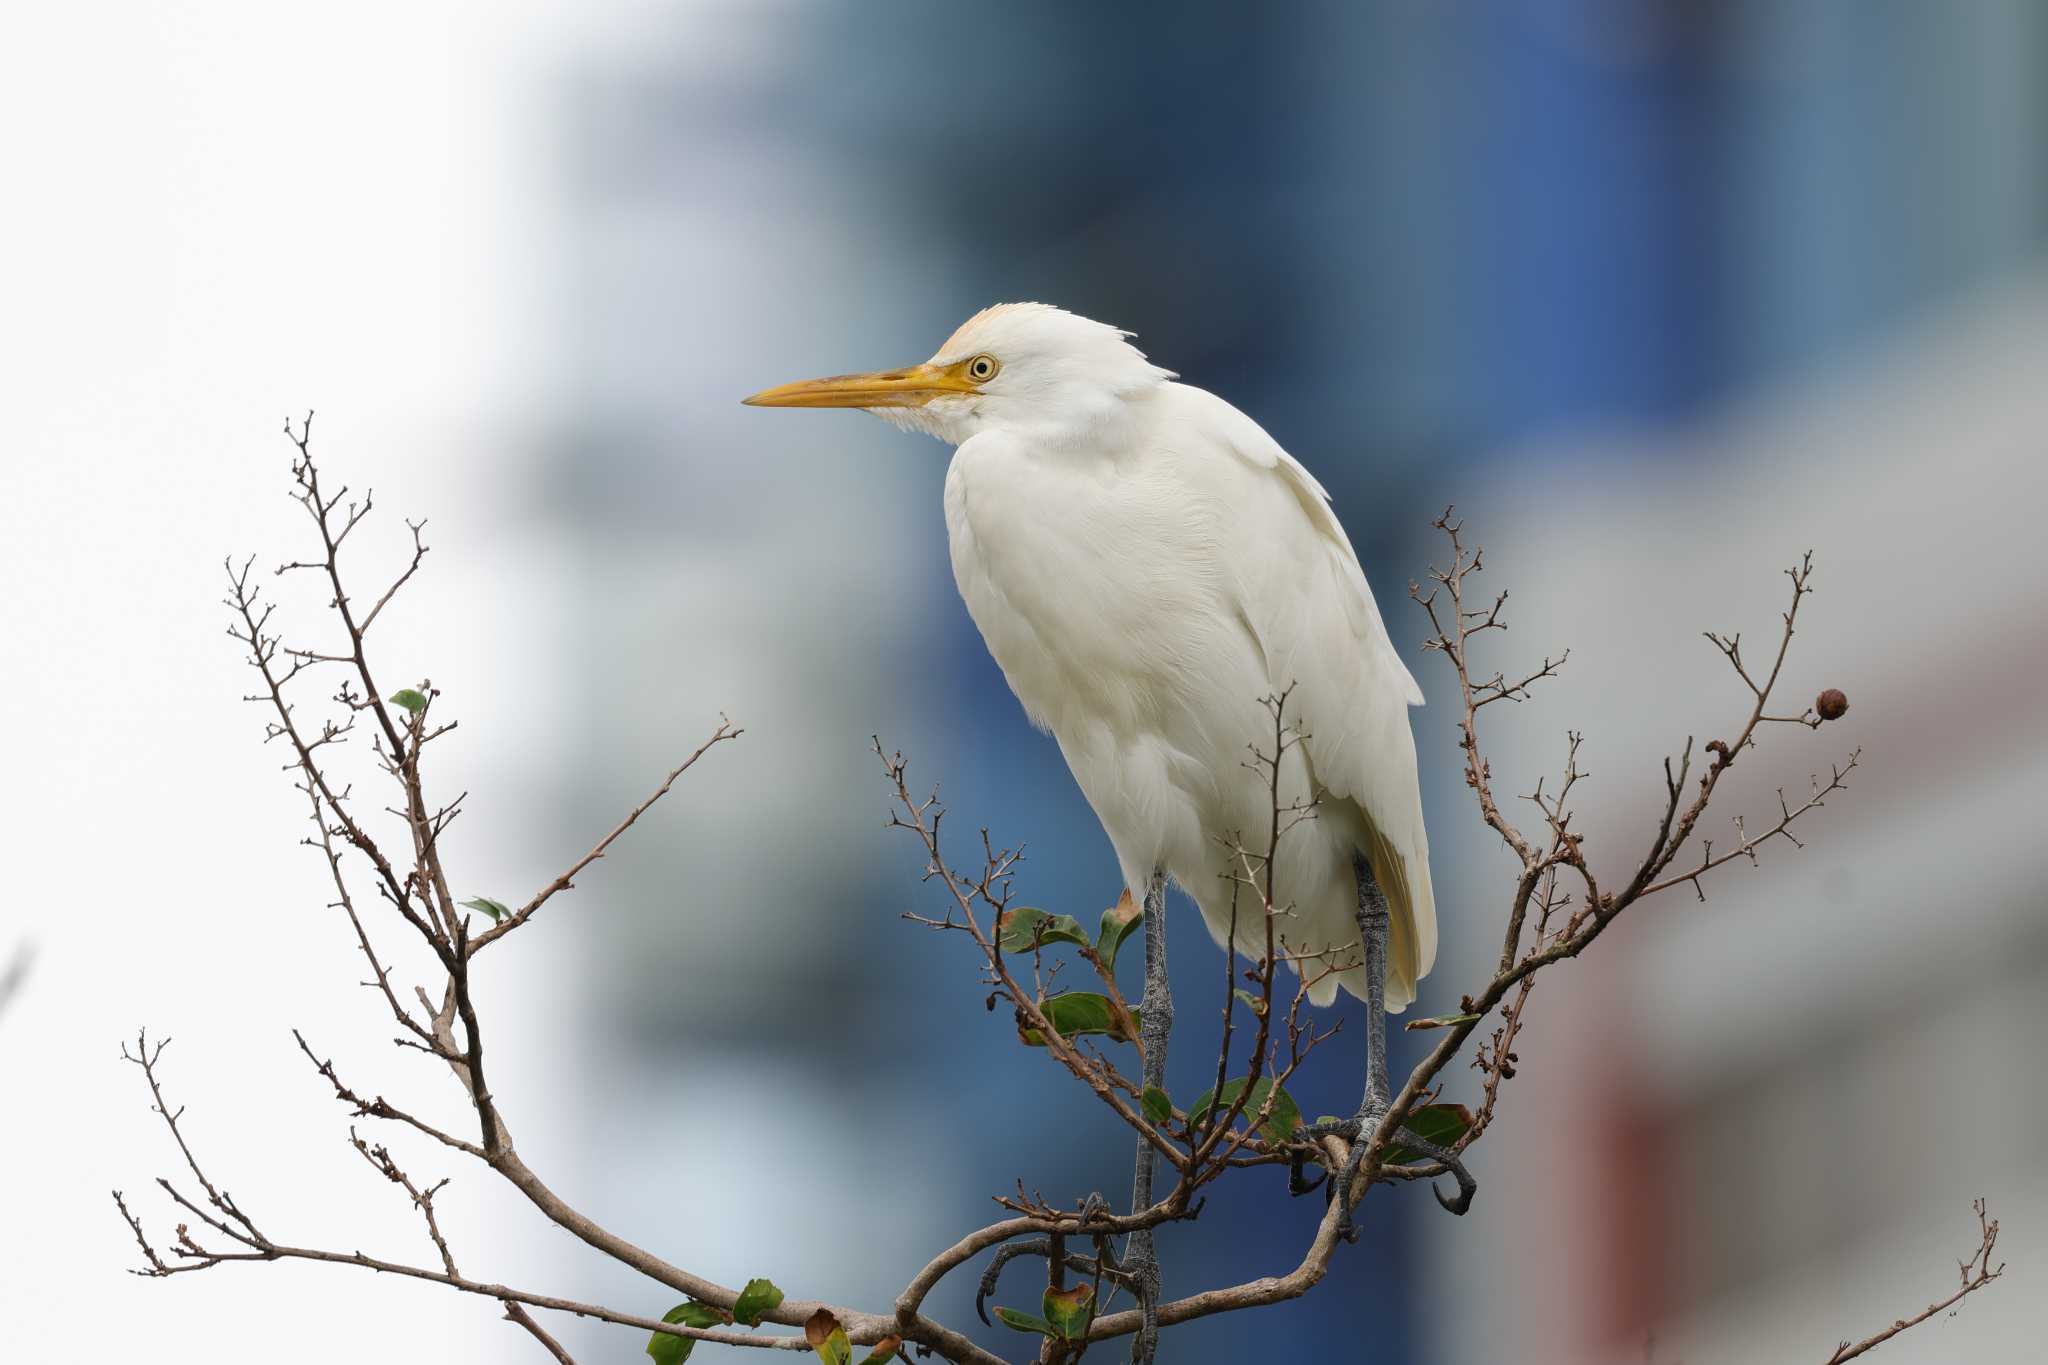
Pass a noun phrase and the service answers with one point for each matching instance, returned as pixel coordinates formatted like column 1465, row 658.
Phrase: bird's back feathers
column 1306, row 597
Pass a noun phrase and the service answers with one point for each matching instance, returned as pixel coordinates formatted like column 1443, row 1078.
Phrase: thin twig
column 1975, row 1271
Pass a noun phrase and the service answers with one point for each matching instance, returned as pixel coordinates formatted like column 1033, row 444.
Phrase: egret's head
column 1026, row 366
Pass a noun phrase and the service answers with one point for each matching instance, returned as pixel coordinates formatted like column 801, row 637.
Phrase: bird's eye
column 982, row 368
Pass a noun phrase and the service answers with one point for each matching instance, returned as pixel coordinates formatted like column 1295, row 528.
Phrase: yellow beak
column 911, row 388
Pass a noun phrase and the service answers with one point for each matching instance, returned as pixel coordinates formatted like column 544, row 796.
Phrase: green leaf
column 1070, row 1310
column 1251, row 1002
column 497, row 910
column 1018, row 930
column 1025, row 1322
column 1065, row 929
column 755, row 1302
column 1280, row 1123
column 1015, row 927
column 1443, row 1021
column 885, row 1349
column 1284, row 1118
column 668, row 1350
column 1158, row 1107
column 1442, row 1124
column 1117, row 923
column 414, row 702
column 1075, row 1013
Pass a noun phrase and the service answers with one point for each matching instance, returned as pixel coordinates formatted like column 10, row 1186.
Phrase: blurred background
column 1660, row 294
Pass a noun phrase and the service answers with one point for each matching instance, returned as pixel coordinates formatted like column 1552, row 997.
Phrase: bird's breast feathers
column 1096, row 581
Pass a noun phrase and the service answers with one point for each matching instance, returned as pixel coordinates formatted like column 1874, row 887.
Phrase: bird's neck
column 1086, row 422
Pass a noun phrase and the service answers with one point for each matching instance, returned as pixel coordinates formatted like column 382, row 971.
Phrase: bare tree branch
column 726, row 731
column 1556, row 910
column 1975, row 1271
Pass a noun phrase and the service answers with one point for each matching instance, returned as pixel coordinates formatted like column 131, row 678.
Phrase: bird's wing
column 1304, row 597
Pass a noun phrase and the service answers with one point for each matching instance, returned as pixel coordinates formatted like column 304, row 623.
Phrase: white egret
column 1147, row 566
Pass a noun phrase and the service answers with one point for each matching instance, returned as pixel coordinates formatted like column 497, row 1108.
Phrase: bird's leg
column 1373, row 925
column 1138, row 1268
column 1155, row 1023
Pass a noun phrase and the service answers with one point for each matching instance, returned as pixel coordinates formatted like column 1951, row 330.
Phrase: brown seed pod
column 1831, row 704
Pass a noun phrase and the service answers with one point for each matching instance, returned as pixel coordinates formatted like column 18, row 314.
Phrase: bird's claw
column 1094, row 1206
column 1038, row 1246
column 1355, row 1131
column 1106, row 1263
column 1460, row 1203
column 1297, row 1183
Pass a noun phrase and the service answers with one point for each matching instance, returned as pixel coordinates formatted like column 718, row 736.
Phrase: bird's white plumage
column 1146, row 565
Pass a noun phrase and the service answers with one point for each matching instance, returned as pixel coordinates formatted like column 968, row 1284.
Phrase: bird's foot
column 1357, row 1131
column 1125, row 1271
column 1040, row 1247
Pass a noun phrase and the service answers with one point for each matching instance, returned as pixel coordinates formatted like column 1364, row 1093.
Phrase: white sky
column 221, row 214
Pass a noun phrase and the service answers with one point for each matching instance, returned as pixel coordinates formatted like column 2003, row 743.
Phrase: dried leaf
column 828, row 1338
column 819, row 1326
